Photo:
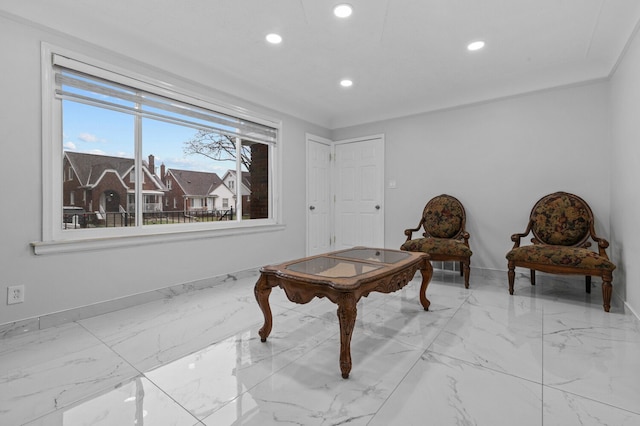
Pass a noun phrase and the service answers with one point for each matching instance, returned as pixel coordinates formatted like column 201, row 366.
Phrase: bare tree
column 217, row 147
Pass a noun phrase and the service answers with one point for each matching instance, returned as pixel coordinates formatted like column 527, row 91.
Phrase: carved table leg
column 427, row 273
column 347, row 312
column 262, row 291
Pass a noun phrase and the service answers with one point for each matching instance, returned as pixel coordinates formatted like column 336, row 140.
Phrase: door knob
column 377, row 207
column 312, row 207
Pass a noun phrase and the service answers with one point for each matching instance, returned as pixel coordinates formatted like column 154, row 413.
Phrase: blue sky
column 101, row 131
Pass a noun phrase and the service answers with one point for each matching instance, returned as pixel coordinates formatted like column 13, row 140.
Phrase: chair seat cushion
column 575, row 257
column 441, row 246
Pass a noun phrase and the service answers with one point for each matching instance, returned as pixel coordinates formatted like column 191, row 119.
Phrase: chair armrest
column 517, row 237
column 465, row 235
column 410, row 231
column 602, row 243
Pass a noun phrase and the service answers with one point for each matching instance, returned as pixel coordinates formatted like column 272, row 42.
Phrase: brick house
column 106, row 184
column 192, row 191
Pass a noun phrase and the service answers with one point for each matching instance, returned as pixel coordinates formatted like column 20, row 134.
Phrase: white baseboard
column 82, row 312
column 633, row 312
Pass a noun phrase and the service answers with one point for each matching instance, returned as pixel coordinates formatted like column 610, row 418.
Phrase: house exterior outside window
column 122, row 186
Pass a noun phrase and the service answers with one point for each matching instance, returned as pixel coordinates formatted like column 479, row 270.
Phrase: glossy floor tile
column 548, row 355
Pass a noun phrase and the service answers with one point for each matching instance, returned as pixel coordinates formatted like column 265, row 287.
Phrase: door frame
column 332, row 182
column 310, row 138
column 381, row 182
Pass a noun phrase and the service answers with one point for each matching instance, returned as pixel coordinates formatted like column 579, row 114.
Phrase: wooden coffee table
column 343, row 277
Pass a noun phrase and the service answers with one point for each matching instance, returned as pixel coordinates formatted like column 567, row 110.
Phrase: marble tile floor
column 549, row 355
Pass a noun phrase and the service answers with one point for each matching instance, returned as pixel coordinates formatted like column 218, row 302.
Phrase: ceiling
column 404, row 56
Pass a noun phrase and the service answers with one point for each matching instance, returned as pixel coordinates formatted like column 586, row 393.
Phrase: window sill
column 80, row 245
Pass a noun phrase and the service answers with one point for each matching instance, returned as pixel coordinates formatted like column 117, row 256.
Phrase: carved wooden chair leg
column 533, row 276
column 587, row 283
column 606, row 290
column 467, row 272
column 512, row 276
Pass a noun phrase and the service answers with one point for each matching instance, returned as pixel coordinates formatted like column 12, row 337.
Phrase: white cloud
column 70, row 146
column 201, row 165
column 97, row 152
column 88, row 137
column 188, row 164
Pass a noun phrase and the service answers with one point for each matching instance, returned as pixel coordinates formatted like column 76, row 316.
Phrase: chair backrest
column 443, row 217
column 561, row 219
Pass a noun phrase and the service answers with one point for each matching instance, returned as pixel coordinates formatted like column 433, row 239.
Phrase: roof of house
column 195, row 183
column 89, row 168
column 246, row 177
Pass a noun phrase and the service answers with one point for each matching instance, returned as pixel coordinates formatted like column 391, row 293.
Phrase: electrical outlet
column 15, row 294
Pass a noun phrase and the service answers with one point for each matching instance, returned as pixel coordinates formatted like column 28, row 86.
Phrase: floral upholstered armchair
column 561, row 224
column 444, row 237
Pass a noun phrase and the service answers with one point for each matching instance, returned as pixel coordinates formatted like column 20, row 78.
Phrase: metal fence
column 115, row 219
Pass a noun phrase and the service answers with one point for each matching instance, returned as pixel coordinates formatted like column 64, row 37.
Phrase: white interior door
column 359, row 192
column 319, row 212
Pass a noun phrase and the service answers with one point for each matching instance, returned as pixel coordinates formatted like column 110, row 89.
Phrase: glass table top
column 376, row 255
column 348, row 263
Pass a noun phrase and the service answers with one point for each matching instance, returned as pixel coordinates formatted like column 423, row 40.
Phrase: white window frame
column 55, row 239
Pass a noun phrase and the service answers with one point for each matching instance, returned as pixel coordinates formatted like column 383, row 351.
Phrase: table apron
column 301, row 291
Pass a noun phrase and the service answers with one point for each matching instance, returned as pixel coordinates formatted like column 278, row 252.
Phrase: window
column 131, row 144
column 132, row 176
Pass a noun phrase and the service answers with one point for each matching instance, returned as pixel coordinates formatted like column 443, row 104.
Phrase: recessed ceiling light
column 476, row 45
column 346, row 83
column 274, row 38
column 343, row 10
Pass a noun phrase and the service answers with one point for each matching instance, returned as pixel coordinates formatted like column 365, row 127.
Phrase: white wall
column 498, row 159
column 625, row 171
column 63, row 281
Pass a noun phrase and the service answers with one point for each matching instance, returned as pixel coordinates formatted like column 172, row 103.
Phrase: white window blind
column 77, row 81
